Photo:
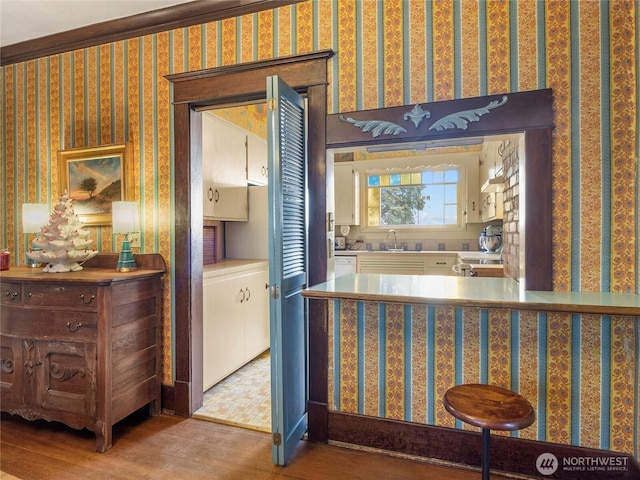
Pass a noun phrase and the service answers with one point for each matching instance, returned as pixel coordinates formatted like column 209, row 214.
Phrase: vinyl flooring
column 243, row 399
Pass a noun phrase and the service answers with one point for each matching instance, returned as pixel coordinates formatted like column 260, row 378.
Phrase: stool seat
column 488, row 406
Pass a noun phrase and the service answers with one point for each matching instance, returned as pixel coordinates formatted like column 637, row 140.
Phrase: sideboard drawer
column 10, row 293
column 43, row 324
column 68, row 296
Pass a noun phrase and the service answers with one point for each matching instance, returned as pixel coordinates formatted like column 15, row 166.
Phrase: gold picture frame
column 94, row 178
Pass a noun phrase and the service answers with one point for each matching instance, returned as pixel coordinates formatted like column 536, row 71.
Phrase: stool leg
column 486, row 452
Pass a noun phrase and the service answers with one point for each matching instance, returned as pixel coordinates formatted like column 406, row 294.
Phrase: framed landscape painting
column 94, row 178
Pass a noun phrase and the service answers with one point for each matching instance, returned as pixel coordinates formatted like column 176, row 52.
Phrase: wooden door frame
column 307, row 74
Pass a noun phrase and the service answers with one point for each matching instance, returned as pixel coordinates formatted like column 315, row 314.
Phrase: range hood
column 493, row 185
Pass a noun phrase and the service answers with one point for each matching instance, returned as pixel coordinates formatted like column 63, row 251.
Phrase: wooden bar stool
column 490, row 408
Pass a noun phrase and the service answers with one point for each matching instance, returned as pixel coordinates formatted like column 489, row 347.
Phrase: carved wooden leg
column 103, row 437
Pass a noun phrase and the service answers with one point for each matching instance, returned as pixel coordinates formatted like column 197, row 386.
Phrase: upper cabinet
column 491, row 182
column 347, row 194
column 224, row 170
column 257, row 173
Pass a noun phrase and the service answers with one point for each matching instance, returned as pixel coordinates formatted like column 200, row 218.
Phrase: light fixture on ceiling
column 422, row 146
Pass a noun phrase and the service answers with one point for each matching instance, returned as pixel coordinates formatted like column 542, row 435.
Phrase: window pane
column 451, row 193
column 373, row 197
column 451, row 176
column 450, row 214
column 428, row 197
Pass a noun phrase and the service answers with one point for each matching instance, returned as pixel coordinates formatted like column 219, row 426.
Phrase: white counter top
column 232, row 266
column 340, row 253
column 470, row 291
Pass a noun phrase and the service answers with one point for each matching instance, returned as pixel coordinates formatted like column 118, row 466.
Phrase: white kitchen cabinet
column 235, row 317
column 491, row 182
column 224, row 170
column 226, row 203
column 441, row 264
column 407, row 263
column 492, row 206
column 347, row 194
column 257, row 172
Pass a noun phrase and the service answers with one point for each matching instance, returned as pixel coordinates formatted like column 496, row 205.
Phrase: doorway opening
column 236, row 318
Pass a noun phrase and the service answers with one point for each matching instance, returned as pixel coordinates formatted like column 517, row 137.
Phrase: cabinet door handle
column 248, row 292
column 216, row 195
column 73, row 327
column 12, row 296
column 263, row 170
column 243, row 296
column 87, row 300
column 210, row 194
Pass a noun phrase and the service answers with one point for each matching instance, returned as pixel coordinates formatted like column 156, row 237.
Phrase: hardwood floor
column 169, row 447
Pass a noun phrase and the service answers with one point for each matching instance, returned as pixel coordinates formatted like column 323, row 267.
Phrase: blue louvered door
column 287, row 138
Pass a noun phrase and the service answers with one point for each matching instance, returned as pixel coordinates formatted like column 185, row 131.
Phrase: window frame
column 467, row 163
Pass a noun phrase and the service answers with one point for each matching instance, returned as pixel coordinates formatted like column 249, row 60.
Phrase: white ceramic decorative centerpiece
column 63, row 240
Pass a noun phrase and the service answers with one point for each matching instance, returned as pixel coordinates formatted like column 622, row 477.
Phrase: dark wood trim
column 177, row 16
column 538, row 208
column 528, row 112
column 242, row 80
column 308, row 75
column 508, row 454
column 168, row 398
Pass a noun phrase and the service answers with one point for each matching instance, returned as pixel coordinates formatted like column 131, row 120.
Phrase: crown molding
column 177, row 16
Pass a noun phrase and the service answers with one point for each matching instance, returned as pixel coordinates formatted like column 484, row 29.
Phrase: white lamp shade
column 124, row 216
column 34, row 216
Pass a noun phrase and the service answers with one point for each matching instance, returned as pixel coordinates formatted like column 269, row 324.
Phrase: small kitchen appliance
column 491, row 238
column 340, row 243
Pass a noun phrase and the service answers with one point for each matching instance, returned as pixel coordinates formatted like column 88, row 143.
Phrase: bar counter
column 385, row 348
column 471, row 292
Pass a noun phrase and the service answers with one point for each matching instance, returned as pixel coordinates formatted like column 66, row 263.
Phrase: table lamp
column 34, row 217
column 124, row 217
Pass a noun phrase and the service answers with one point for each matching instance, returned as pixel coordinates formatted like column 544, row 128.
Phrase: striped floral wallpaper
column 388, row 52
column 579, row 372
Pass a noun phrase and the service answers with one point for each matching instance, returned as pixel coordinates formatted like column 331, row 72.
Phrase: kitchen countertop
column 471, row 292
column 231, row 265
column 467, row 254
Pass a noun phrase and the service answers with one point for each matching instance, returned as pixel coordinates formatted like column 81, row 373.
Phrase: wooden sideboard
column 82, row 348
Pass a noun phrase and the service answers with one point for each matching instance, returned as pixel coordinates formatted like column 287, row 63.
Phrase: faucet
column 395, row 238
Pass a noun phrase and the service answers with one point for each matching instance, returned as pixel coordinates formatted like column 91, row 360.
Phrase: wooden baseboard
column 168, row 399
column 508, row 454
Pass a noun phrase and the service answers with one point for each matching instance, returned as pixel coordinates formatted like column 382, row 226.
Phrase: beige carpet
column 242, row 399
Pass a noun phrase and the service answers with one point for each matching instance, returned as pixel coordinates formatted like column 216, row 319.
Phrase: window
column 429, row 197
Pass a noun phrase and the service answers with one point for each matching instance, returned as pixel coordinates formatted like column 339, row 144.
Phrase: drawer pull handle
column 12, row 296
column 82, row 298
column 73, row 327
